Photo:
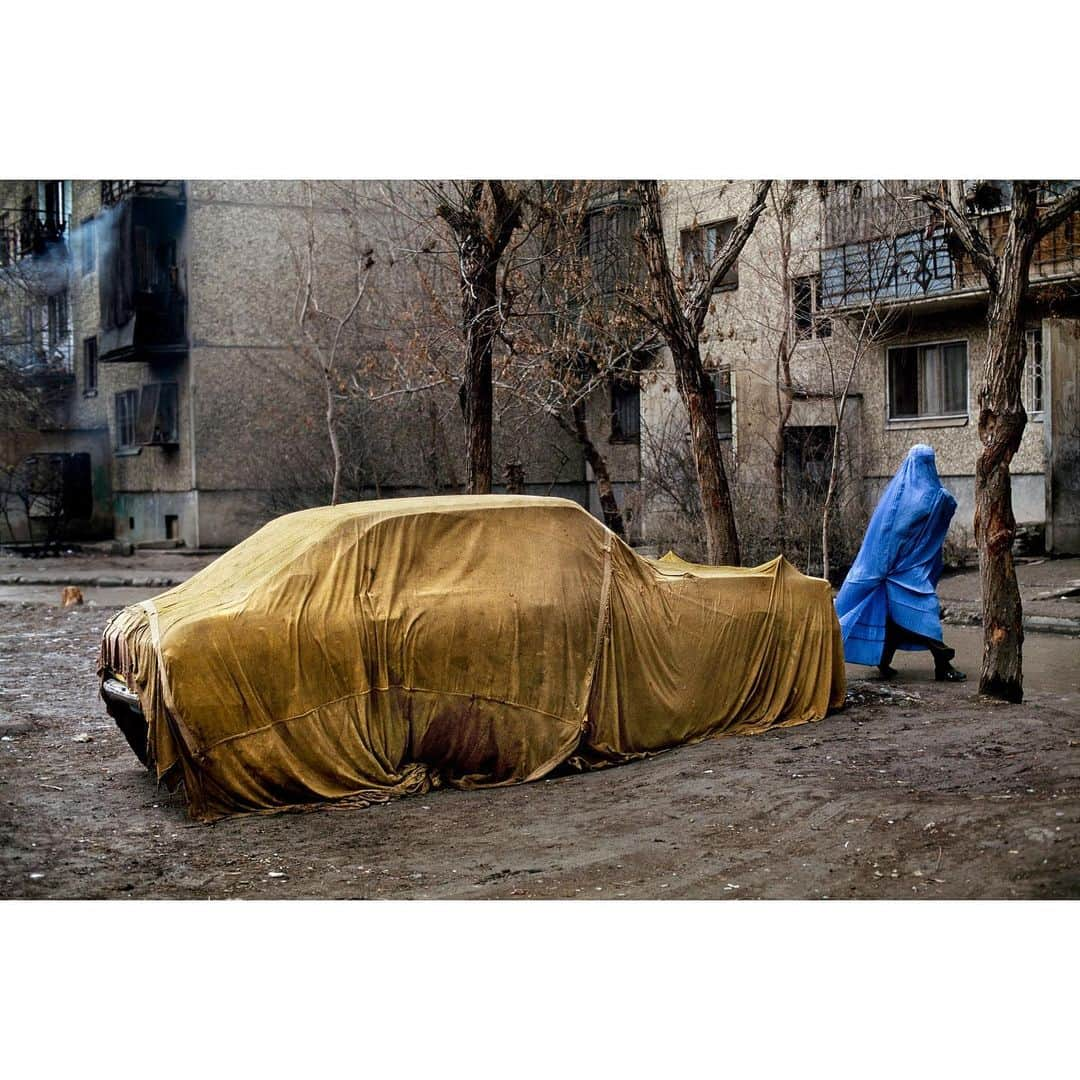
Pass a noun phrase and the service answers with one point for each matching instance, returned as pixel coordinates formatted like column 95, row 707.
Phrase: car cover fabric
column 378, row 648
column 900, row 561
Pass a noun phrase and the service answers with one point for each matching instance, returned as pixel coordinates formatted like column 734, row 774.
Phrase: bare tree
column 573, row 332
column 678, row 309
column 324, row 328
column 483, row 216
column 1002, row 418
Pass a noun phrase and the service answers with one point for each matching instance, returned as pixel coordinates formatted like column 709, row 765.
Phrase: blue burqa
column 899, row 563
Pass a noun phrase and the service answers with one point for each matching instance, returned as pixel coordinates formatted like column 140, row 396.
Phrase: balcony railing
column 928, row 262
column 32, row 235
column 880, row 271
column 113, row 191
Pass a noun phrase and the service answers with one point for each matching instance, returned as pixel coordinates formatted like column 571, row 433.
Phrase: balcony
column 141, row 281
column 924, row 262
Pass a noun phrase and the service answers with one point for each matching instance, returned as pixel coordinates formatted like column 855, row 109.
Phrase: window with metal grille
column 625, row 410
column 721, row 380
column 928, row 381
column 127, row 405
column 701, row 245
column 90, row 371
column 809, row 323
column 1033, row 374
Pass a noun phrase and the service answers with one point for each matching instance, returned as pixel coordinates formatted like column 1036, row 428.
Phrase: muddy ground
column 921, row 791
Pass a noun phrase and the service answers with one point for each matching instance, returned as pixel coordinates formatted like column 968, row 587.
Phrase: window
column 9, row 243
column 88, row 245
column 701, row 245
column 625, row 410
column 89, row 366
column 610, row 235
column 808, row 458
column 127, row 404
column 928, row 381
column 1033, row 374
column 809, row 324
column 57, row 320
column 721, row 380
column 156, row 423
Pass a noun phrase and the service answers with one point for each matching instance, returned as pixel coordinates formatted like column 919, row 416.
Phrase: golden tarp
column 384, row 647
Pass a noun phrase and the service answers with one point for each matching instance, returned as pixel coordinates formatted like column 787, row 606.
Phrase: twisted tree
column 1002, row 418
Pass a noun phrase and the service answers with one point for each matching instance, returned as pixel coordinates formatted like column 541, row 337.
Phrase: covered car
column 379, row 648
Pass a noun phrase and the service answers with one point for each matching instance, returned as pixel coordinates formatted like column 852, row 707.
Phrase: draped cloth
column 898, row 566
column 383, row 648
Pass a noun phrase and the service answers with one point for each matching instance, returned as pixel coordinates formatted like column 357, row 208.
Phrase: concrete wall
column 743, row 331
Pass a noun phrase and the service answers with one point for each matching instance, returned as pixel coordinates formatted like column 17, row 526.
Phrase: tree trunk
column 830, row 491
column 480, row 315
column 783, row 410
column 721, row 536
column 331, row 430
column 1002, row 420
column 613, row 518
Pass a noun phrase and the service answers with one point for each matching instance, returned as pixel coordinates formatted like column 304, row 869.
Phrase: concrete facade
column 743, row 334
column 250, row 435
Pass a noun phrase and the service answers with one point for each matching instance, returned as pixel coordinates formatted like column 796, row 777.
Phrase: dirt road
column 926, row 792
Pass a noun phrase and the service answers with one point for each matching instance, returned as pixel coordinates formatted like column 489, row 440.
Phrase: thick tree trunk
column 613, row 518
column 480, row 316
column 483, row 224
column 1001, row 426
column 696, row 389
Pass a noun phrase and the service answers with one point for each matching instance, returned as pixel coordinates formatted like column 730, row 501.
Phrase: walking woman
column 888, row 599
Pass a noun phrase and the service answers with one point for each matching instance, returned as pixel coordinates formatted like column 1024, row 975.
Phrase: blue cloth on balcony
column 898, row 566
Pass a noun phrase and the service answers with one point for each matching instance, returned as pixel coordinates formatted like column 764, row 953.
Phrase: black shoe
column 949, row 674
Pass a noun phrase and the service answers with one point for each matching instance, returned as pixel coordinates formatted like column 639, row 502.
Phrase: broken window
column 90, row 371
column 625, row 409
column 721, row 380
column 809, row 323
column 927, row 381
column 127, row 404
column 701, row 245
column 1033, row 374
column 156, row 425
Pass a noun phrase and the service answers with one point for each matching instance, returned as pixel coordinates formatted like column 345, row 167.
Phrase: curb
column 93, row 582
column 1036, row 624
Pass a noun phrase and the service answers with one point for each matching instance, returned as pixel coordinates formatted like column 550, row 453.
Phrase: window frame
column 935, row 419
column 130, row 420
column 88, row 246
column 818, row 324
column 724, row 400
column 1034, row 333
column 90, row 365
column 691, row 250
column 624, row 383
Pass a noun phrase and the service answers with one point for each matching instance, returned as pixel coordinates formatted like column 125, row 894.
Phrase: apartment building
column 185, row 403
column 868, row 295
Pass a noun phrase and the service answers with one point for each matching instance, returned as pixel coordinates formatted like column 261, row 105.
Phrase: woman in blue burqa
column 887, row 601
